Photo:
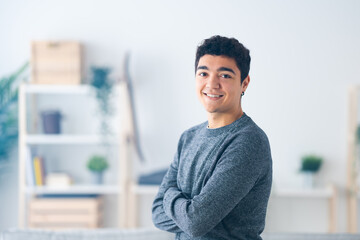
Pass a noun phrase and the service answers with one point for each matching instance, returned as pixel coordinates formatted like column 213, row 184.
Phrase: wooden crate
column 65, row 213
column 56, row 62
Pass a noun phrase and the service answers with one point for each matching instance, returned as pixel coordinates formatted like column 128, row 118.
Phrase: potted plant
column 97, row 164
column 310, row 164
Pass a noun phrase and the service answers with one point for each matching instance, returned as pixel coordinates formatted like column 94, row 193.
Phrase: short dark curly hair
column 229, row 47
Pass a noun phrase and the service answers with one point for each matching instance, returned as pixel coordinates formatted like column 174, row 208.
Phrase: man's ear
column 245, row 83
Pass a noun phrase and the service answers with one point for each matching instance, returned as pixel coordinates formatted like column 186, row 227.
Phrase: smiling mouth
column 212, row 95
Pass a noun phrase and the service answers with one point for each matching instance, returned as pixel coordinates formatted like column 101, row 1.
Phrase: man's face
column 218, row 84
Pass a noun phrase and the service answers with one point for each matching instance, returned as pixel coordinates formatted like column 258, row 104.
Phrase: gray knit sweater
column 218, row 185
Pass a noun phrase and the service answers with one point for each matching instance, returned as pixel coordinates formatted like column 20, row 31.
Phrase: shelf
column 59, row 89
column 145, row 189
column 66, row 139
column 83, row 89
column 285, row 192
column 308, row 193
column 76, row 189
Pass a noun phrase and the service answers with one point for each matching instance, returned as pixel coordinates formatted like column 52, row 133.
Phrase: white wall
column 304, row 56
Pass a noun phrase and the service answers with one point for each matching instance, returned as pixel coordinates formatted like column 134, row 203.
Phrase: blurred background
column 305, row 58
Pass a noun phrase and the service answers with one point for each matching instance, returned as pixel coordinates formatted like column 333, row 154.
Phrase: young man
column 218, row 185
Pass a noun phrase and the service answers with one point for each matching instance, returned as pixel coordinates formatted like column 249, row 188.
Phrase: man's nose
column 213, row 82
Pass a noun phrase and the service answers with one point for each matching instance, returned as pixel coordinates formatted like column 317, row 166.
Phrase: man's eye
column 203, row 74
column 225, row 76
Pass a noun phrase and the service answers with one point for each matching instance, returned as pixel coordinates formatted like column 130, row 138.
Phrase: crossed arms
column 234, row 176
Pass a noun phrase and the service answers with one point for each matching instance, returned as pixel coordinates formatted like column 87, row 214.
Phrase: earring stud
column 243, row 93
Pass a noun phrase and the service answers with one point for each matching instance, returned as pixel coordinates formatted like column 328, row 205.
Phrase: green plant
column 8, row 110
column 103, row 85
column 97, row 163
column 311, row 163
column 358, row 134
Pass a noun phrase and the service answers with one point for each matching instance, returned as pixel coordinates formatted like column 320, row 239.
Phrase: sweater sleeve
column 237, row 171
column 159, row 218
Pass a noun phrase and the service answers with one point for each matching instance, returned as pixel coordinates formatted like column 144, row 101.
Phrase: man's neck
column 217, row 120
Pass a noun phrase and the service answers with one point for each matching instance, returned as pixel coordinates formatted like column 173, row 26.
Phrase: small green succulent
column 311, row 163
column 97, row 163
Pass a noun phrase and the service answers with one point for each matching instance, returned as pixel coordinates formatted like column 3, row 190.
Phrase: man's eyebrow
column 219, row 69
column 226, row 69
column 202, row 67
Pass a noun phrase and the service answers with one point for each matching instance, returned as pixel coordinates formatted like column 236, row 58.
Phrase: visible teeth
column 210, row 95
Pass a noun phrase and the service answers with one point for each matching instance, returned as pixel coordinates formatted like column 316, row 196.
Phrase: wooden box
column 65, row 213
column 56, row 62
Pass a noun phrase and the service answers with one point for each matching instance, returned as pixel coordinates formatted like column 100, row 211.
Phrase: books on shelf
column 35, row 170
column 39, row 171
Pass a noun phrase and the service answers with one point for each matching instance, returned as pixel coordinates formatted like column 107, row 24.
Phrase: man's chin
column 211, row 110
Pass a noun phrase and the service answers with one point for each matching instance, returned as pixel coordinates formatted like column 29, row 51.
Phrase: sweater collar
column 212, row 132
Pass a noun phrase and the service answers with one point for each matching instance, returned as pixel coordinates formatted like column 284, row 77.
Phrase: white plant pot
column 97, row 178
column 309, row 182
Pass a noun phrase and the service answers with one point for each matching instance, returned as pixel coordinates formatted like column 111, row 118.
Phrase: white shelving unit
column 28, row 140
